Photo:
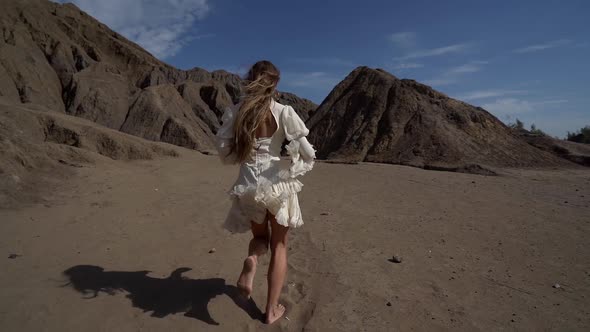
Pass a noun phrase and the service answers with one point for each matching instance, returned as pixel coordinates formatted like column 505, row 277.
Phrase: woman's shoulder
column 277, row 107
column 280, row 110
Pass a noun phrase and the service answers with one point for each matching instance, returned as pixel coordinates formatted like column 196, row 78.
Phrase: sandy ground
column 479, row 253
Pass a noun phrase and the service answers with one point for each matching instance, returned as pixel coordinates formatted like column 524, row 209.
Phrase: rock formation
column 73, row 91
column 60, row 57
column 373, row 116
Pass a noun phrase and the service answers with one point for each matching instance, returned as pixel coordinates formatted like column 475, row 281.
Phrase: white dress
column 267, row 182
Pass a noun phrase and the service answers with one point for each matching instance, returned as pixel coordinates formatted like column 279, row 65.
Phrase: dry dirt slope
column 479, row 253
column 38, row 149
column 69, row 84
column 58, row 56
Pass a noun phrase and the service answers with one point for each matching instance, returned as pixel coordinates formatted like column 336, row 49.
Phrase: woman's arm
column 305, row 149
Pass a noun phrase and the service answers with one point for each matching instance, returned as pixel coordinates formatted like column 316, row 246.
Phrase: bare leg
column 258, row 246
column 277, row 270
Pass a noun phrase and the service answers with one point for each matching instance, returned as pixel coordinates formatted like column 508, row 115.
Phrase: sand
column 478, row 253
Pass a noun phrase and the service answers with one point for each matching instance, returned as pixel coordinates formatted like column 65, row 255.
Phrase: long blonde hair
column 260, row 87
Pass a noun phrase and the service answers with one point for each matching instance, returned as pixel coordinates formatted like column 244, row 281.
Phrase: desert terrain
column 112, row 200
column 479, row 253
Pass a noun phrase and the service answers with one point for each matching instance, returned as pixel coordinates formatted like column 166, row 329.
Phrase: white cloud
column 409, row 65
column 160, row 26
column 555, row 101
column 454, row 74
column 451, row 49
column 403, row 39
column 483, row 94
column 466, row 68
column 437, row 82
column 510, row 107
column 544, row 46
column 407, row 41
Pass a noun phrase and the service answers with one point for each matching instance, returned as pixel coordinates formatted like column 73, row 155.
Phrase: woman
column 265, row 193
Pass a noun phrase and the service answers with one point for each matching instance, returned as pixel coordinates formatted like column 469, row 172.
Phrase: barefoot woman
column 265, row 193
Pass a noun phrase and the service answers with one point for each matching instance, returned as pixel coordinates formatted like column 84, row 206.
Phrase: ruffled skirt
column 264, row 185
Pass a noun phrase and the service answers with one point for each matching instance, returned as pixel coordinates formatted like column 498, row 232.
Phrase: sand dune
column 479, row 253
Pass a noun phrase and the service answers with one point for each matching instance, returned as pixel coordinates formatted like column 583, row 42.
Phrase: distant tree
column 536, row 131
column 580, row 136
column 518, row 125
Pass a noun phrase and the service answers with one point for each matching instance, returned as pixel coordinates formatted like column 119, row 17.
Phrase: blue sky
column 518, row 59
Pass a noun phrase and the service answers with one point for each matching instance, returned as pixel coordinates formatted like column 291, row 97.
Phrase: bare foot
column 246, row 279
column 274, row 313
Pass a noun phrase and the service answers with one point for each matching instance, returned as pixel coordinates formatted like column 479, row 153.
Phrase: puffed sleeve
column 225, row 136
column 293, row 125
column 299, row 149
column 306, row 149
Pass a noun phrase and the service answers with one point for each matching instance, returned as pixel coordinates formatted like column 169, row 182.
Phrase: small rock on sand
column 396, row 259
column 212, row 250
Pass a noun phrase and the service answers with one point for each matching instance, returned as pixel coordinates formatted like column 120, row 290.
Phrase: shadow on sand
column 161, row 296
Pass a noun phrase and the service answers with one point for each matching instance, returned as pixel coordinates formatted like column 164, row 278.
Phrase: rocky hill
column 373, row 116
column 56, row 59
column 72, row 91
column 60, row 57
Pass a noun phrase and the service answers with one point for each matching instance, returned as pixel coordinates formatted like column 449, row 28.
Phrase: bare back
column 267, row 127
